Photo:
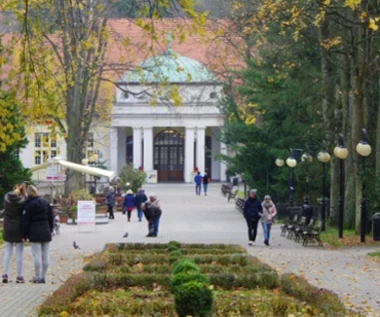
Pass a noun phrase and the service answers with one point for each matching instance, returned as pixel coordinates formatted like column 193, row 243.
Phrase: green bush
column 184, row 266
column 96, row 265
column 326, row 301
column 174, row 244
column 182, row 278
column 193, row 299
column 176, row 253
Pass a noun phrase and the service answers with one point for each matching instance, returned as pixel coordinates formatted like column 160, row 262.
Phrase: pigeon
column 125, row 235
column 76, row 246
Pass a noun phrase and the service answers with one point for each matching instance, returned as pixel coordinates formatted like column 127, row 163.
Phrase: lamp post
column 93, row 162
column 292, row 163
column 341, row 153
column 307, row 158
column 364, row 150
column 324, row 158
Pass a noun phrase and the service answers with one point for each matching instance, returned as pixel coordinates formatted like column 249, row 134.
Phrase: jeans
column 40, row 252
column 198, row 189
column 205, row 187
column 110, row 211
column 8, row 254
column 266, row 229
column 140, row 213
column 252, row 228
column 156, row 223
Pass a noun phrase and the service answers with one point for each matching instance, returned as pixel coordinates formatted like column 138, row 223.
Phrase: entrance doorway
column 169, row 156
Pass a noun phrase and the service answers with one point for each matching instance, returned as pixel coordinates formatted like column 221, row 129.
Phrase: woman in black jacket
column 14, row 203
column 37, row 226
column 252, row 213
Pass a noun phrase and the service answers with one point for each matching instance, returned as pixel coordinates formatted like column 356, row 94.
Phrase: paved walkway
column 199, row 219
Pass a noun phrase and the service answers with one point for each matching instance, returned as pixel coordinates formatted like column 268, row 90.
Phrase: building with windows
column 172, row 140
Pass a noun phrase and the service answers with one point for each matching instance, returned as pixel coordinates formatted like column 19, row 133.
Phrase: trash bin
column 235, row 181
column 376, row 226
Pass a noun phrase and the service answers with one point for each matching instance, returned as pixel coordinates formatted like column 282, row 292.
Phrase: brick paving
column 198, row 219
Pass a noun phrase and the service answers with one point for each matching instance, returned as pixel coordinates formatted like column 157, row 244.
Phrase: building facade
column 173, row 140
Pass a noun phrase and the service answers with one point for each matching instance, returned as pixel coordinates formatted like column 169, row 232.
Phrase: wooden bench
column 232, row 195
column 239, row 203
column 313, row 235
column 226, row 189
column 285, row 227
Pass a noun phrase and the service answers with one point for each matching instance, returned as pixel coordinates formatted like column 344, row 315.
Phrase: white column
column 148, row 148
column 189, row 153
column 201, row 149
column 137, row 162
column 223, row 167
column 122, row 147
column 113, row 155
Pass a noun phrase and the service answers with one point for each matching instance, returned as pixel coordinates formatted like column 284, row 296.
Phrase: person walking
column 267, row 219
column 206, row 181
column 157, row 212
column 14, row 204
column 129, row 203
column 251, row 211
column 110, row 200
column 139, row 199
column 198, row 183
column 37, row 226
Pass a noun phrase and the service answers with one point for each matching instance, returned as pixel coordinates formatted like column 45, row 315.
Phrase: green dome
column 171, row 68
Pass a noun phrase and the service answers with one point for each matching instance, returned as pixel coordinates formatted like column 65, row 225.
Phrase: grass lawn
column 1, row 237
column 136, row 280
column 350, row 238
column 375, row 254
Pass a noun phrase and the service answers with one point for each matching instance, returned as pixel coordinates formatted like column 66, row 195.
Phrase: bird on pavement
column 125, row 235
column 75, row 245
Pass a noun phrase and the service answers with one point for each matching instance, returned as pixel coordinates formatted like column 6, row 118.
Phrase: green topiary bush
column 174, row 244
column 176, row 253
column 184, row 266
column 183, row 278
column 193, row 299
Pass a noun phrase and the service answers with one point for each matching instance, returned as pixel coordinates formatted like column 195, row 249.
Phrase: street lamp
column 364, row 150
column 292, row 163
column 324, row 158
column 279, row 162
column 341, row 153
column 306, row 158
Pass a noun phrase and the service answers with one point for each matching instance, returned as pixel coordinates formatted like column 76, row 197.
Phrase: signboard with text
column 86, row 216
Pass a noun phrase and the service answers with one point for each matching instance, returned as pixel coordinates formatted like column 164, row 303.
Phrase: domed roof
column 171, row 68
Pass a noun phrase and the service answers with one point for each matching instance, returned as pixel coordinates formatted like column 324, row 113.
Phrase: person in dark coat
column 139, row 199
column 37, row 226
column 152, row 212
column 14, row 204
column 111, row 201
column 206, row 181
column 129, row 203
column 252, row 211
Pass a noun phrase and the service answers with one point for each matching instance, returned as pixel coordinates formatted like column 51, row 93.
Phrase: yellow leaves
column 326, row 2
column 319, row 18
column 64, row 314
column 372, row 25
column 330, row 43
column 353, row 4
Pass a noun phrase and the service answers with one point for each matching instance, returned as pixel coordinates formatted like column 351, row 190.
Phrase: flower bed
column 140, row 280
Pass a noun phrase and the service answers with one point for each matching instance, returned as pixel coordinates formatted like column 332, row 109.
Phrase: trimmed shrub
column 174, row 244
column 193, row 299
column 182, row 278
column 326, row 301
column 96, row 265
column 184, row 266
column 172, row 248
column 177, row 253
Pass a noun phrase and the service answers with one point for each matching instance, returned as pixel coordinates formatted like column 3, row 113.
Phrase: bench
column 285, row 227
column 313, row 235
column 232, row 195
column 239, row 203
column 226, row 189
